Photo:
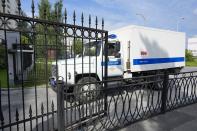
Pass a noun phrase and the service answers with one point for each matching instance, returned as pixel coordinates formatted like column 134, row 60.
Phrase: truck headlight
column 69, row 75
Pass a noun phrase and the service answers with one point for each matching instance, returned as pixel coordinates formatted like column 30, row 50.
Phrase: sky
column 164, row 14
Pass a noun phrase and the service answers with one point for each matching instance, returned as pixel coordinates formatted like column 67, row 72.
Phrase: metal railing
column 129, row 101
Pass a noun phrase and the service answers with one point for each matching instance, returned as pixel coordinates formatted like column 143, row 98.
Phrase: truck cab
column 88, row 66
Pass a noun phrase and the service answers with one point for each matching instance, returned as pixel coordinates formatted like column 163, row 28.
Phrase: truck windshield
column 92, row 48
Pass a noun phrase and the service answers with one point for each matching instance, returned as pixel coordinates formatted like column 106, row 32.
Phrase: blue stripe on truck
column 157, row 60
column 111, row 63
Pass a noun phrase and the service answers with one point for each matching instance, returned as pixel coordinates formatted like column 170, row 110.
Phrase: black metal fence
column 131, row 100
column 31, row 50
column 69, row 57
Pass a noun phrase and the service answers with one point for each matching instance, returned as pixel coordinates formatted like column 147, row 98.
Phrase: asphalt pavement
column 182, row 119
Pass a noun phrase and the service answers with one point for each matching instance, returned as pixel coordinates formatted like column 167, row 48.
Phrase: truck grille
column 54, row 70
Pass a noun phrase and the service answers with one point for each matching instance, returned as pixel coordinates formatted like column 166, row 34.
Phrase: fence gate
column 38, row 55
column 80, row 80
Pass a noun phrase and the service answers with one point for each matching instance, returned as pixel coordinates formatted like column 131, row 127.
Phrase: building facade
column 17, row 65
column 11, row 7
column 192, row 45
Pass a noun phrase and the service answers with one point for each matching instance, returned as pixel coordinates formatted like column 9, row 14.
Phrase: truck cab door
column 115, row 67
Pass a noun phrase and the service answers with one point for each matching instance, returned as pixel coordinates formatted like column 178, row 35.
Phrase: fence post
column 106, row 71
column 164, row 92
column 60, row 106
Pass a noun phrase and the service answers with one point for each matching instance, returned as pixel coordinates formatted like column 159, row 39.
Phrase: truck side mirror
column 118, row 46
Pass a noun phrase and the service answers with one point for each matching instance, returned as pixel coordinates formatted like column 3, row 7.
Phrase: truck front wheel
column 87, row 89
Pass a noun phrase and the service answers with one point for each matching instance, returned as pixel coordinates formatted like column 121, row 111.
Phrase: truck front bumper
column 53, row 84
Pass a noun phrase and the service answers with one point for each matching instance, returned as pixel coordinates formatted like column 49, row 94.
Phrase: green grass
column 40, row 78
column 192, row 63
column 3, row 78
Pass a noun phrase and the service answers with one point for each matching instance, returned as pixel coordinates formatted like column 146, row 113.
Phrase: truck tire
column 87, row 92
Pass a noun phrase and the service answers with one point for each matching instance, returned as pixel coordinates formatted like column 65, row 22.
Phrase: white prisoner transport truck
column 132, row 51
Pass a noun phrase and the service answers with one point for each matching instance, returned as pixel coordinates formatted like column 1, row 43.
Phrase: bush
column 188, row 55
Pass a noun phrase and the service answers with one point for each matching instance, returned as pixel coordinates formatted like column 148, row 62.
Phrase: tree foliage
column 57, row 11
column 77, row 46
column 44, row 6
column 49, row 35
column 23, row 25
column 189, row 56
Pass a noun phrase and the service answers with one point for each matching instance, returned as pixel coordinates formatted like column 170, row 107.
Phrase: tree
column 189, row 56
column 58, row 17
column 57, row 11
column 23, row 25
column 43, row 6
column 53, row 34
column 77, row 46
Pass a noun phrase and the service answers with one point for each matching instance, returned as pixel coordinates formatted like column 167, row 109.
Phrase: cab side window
column 112, row 49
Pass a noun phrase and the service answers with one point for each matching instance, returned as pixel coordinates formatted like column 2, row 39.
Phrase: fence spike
column 89, row 20
column 33, row 8
column 82, row 19
column 45, row 12
column 57, row 11
column 59, row 14
column 3, row 5
column 74, row 17
column 17, row 115
column 65, row 15
column 96, row 22
column 19, row 7
column 102, row 23
column 30, row 112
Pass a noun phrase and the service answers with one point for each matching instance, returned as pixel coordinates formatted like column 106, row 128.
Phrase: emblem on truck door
column 112, row 36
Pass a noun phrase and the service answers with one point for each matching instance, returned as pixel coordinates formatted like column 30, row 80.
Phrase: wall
column 192, row 46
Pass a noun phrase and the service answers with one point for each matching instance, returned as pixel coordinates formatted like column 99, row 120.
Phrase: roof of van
column 144, row 27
